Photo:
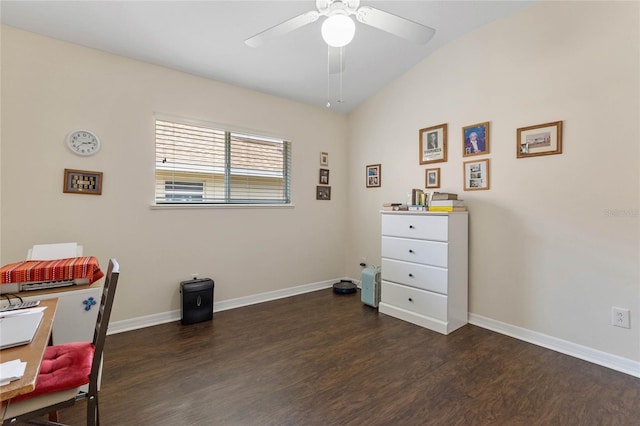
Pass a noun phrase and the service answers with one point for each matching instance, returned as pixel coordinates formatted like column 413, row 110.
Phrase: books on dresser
column 443, row 196
column 391, row 206
column 447, row 209
column 448, row 203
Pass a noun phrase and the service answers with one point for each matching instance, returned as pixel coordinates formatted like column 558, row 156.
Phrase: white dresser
column 425, row 268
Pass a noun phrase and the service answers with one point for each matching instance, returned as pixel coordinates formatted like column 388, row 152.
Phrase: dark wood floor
column 326, row 359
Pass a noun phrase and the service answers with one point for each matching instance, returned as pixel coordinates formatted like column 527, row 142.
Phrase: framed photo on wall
column 82, row 182
column 324, row 159
column 476, row 175
column 475, row 139
column 542, row 139
column 373, row 175
column 323, row 192
column 432, row 178
column 324, row 177
column 433, row 144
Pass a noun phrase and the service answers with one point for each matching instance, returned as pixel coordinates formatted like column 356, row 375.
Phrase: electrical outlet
column 620, row 317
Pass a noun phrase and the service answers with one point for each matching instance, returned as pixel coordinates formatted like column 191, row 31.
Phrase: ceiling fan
column 341, row 10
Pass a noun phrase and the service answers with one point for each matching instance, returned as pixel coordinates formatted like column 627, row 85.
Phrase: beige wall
column 50, row 88
column 546, row 252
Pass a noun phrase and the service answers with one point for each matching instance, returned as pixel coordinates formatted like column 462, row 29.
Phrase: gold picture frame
column 82, row 182
column 475, row 139
column 432, row 178
column 476, row 175
column 433, row 144
column 541, row 139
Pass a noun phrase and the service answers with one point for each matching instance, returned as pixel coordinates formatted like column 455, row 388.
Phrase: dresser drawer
column 419, row 251
column 415, row 275
column 415, row 300
column 415, row 226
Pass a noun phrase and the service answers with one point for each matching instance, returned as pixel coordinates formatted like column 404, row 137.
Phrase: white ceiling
column 206, row 38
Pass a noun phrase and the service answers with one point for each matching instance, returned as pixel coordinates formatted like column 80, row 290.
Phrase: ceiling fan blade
column 282, row 29
column 336, row 66
column 395, row 25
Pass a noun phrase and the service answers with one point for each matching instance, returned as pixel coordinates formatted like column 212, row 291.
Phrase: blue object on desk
column 89, row 303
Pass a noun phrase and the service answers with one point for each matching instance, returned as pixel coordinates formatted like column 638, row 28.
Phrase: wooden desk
column 31, row 354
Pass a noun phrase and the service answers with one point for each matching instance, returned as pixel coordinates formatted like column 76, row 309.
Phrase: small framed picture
column 542, row 139
column 323, row 192
column 374, row 175
column 475, row 139
column 476, row 175
column 432, row 178
column 324, row 177
column 82, row 182
column 324, row 158
column 433, row 144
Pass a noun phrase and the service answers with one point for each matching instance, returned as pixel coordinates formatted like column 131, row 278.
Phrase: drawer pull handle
column 411, row 275
column 410, row 300
column 410, row 251
column 411, row 227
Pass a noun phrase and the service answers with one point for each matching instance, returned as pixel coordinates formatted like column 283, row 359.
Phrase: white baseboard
column 164, row 317
column 624, row 365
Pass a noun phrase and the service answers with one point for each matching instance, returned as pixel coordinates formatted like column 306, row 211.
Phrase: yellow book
column 447, row 209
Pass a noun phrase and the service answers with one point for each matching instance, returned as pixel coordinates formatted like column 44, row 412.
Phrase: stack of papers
column 11, row 370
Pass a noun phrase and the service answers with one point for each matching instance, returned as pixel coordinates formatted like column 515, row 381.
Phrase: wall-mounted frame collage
column 532, row 141
column 323, row 190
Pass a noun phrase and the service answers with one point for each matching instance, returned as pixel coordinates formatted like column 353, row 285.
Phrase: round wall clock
column 83, row 142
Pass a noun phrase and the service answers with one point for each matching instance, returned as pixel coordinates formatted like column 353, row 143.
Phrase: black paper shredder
column 196, row 300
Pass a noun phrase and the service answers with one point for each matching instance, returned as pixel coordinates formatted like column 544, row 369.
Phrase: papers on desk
column 18, row 327
column 11, row 370
column 25, row 311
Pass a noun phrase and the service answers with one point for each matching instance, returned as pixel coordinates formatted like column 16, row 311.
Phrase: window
column 182, row 192
column 200, row 164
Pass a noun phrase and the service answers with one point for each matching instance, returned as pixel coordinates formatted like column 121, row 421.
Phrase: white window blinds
column 203, row 165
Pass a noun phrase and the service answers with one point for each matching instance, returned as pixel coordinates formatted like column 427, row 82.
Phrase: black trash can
column 196, row 300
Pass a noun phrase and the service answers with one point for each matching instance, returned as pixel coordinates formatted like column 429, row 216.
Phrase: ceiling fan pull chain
column 340, row 100
column 328, row 76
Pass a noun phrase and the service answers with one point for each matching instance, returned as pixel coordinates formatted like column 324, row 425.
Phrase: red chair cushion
column 63, row 367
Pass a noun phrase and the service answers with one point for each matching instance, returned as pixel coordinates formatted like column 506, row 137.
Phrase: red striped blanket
column 51, row 270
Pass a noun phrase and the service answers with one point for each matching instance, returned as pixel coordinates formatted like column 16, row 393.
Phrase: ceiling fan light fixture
column 338, row 30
